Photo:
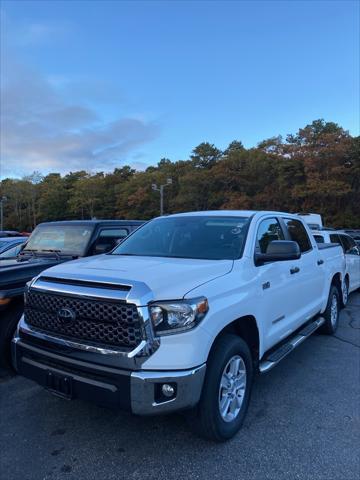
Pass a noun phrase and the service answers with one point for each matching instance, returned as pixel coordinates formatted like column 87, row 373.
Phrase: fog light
column 167, row 390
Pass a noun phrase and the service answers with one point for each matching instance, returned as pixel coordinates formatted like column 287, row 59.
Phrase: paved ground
column 303, row 423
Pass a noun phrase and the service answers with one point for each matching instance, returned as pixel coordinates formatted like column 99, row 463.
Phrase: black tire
column 8, row 322
column 331, row 324
column 208, row 421
column 345, row 293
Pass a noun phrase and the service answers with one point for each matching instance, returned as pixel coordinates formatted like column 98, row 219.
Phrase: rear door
column 307, row 273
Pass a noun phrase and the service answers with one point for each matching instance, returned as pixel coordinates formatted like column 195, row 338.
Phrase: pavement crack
column 345, row 341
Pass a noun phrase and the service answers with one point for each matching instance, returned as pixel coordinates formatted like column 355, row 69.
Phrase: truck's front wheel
column 226, row 392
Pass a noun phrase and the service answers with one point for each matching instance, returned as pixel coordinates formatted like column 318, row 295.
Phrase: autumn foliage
column 316, row 170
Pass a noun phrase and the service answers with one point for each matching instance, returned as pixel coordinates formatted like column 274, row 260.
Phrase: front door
column 276, row 290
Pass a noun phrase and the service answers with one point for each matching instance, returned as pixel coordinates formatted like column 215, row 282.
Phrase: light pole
column 2, row 200
column 161, row 190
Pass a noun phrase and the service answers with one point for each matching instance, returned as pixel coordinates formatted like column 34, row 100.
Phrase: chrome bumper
column 137, row 391
column 188, row 390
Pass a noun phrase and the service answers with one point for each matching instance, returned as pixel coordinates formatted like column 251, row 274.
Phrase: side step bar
column 273, row 358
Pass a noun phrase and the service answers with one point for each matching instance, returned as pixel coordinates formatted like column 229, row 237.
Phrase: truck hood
column 168, row 278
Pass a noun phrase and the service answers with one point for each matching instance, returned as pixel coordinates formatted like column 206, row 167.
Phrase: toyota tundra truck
column 181, row 315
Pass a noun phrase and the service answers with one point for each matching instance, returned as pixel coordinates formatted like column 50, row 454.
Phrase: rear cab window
column 319, row 239
column 347, row 243
column 334, row 238
column 298, row 234
column 108, row 238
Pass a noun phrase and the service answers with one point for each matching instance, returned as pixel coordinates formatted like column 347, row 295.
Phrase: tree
column 53, row 198
column 205, row 155
column 316, row 169
column 234, row 147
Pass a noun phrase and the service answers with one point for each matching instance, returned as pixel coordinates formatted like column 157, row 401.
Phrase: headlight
column 179, row 315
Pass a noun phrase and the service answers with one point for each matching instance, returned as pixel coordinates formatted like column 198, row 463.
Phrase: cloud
column 42, row 130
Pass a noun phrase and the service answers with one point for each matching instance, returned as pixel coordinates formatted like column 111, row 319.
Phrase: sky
column 96, row 85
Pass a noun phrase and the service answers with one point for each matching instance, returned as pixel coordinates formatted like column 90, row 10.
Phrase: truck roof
column 95, row 222
column 232, row 213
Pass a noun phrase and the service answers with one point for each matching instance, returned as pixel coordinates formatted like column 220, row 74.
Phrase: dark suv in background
column 51, row 243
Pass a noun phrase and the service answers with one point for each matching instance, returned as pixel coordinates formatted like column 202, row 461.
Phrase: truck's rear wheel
column 332, row 311
column 226, row 392
column 345, row 292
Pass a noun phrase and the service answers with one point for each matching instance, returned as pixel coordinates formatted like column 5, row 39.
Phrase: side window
column 334, row 238
column 268, row 231
column 347, row 243
column 109, row 238
column 298, row 234
column 319, row 239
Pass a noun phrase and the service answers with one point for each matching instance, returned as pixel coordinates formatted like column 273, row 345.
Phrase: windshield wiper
column 52, row 250
column 32, row 251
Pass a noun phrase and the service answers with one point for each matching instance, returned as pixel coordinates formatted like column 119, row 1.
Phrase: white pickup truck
column 181, row 315
column 352, row 258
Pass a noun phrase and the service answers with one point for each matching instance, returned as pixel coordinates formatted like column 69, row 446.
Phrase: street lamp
column 2, row 200
column 161, row 190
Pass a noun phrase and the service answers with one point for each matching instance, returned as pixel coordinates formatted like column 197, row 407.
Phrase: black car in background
column 49, row 244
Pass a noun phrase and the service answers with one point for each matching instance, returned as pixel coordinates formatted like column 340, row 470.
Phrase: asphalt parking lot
column 303, row 423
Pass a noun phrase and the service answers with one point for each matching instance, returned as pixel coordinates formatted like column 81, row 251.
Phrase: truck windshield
column 201, row 237
column 60, row 239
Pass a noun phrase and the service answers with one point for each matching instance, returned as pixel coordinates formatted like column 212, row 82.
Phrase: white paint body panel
column 352, row 261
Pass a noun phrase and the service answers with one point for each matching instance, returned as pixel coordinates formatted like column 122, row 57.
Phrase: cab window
column 298, row 234
column 334, row 238
column 268, row 231
column 347, row 243
column 109, row 238
column 319, row 239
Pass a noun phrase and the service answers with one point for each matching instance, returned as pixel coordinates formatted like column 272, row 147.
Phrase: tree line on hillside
column 315, row 170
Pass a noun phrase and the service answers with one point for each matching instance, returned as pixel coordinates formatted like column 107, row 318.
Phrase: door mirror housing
column 279, row 250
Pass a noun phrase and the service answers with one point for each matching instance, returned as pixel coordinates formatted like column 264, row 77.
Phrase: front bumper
column 137, row 391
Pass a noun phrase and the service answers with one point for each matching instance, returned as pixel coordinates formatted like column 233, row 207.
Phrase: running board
column 273, row 358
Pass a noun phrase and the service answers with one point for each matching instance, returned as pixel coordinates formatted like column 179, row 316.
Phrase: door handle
column 294, row 270
column 320, row 262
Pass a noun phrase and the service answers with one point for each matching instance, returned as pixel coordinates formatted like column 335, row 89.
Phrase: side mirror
column 279, row 250
column 354, row 251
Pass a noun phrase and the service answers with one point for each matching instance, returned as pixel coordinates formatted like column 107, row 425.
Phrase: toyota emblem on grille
column 66, row 316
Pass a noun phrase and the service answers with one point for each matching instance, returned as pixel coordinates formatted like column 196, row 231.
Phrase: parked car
column 9, row 233
column 352, row 258
column 8, row 245
column 50, row 244
column 181, row 315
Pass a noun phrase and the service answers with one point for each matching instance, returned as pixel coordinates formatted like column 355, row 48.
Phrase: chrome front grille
column 99, row 322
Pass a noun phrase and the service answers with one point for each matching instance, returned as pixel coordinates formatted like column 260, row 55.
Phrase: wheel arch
column 246, row 327
column 337, row 281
